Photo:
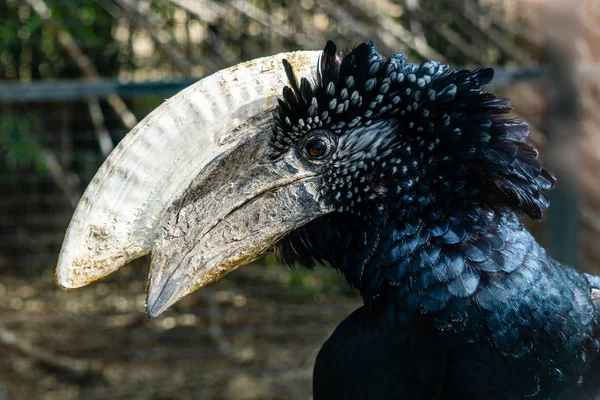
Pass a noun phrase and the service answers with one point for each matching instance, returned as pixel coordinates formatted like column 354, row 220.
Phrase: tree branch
column 83, row 62
column 74, row 366
column 143, row 18
column 102, row 134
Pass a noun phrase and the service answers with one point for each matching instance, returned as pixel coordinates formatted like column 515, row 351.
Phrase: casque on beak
column 191, row 185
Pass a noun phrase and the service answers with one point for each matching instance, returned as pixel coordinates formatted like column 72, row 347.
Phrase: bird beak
column 190, row 185
column 231, row 214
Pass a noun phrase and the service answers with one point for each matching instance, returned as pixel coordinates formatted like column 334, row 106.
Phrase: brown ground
column 267, row 326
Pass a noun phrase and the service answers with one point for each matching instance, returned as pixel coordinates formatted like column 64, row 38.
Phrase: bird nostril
column 273, row 155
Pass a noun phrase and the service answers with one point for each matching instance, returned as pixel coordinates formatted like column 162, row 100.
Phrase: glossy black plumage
column 430, row 180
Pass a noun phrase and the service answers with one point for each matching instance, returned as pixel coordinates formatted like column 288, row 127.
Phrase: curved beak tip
column 158, row 299
column 154, row 309
column 164, row 290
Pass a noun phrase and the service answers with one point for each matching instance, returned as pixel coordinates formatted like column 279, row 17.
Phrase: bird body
column 530, row 333
column 407, row 178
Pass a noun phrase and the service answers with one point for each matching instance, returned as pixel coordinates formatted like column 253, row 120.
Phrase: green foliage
column 30, row 49
column 19, row 147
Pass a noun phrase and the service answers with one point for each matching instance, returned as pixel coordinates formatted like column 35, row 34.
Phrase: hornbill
column 410, row 179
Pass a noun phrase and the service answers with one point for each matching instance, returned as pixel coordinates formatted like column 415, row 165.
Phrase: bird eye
column 316, row 148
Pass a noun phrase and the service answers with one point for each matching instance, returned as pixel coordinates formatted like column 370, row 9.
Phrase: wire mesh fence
column 75, row 77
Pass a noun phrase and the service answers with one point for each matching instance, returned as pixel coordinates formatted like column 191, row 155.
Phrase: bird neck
column 422, row 265
column 427, row 262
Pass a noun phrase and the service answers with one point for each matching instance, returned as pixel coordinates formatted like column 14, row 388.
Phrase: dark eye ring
column 316, row 147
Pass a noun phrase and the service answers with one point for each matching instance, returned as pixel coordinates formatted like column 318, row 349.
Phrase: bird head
column 402, row 152
column 359, row 151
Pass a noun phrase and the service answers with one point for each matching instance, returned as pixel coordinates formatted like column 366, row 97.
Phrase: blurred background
column 76, row 76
